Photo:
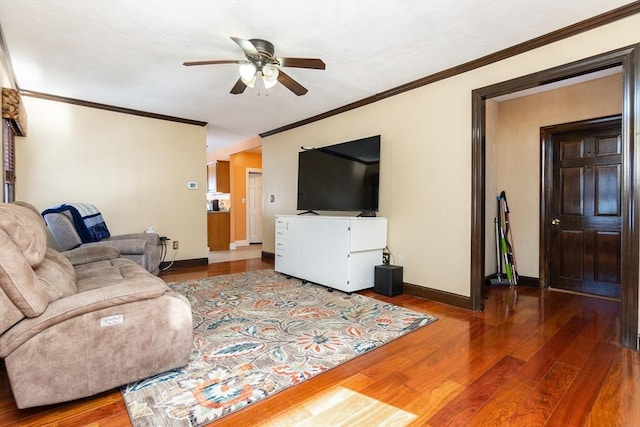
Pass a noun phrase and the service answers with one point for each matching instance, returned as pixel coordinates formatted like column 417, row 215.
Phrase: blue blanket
column 87, row 220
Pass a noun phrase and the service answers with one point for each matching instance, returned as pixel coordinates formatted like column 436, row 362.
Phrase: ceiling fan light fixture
column 250, row 83
column 270, row 75
column 248, row 73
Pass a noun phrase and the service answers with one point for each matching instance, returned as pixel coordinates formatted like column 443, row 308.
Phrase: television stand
column 367, row 214
column 309, row 211
column 338, row 252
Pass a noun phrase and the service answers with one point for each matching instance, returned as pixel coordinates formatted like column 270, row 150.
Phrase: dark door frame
column 629, row 59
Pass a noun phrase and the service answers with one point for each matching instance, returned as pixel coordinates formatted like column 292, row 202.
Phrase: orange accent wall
column 239, row 163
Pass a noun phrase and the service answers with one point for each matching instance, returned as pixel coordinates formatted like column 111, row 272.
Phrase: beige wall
column 225, row 153
column 134, row 169
column 518, row 152
column 239, row 163
column 425, row 188
column 3, row 77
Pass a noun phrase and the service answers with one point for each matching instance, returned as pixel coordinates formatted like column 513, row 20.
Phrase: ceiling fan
column 261, row 60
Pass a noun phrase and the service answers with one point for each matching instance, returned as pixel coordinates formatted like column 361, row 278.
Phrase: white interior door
column 254, row 209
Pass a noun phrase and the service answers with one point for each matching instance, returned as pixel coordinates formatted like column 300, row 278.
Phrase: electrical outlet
column 176, row 245
column 400, row 260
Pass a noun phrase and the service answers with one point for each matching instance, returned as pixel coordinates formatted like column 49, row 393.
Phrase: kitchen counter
column 218, row 230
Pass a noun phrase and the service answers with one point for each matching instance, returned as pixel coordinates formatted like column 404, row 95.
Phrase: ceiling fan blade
column 314, row 63
column 291, row 84
column 223, row 61
column 246, row 45
column 238, row 88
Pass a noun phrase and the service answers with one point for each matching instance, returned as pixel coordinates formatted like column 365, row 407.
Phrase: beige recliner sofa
column 78, row 324
column 140, row 247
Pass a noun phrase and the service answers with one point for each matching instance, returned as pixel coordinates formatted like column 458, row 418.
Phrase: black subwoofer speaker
column 388, row 280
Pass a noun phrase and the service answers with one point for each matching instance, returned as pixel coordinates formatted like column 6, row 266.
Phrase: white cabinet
column 337, row 252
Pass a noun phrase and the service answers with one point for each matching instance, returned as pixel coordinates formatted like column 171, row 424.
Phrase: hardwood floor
column 532, row 358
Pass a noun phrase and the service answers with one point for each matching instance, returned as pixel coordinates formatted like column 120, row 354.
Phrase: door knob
column 555, row 221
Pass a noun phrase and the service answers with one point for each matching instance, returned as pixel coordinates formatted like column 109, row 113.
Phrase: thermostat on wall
column 192, row 185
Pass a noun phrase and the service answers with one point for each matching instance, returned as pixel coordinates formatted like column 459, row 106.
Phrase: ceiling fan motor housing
column 264, row 47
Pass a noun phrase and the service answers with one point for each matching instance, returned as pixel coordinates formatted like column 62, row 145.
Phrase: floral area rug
column 257, row 333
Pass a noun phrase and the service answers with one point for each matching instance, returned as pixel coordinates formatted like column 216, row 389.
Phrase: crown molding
column 49, row 97
column 563, row 33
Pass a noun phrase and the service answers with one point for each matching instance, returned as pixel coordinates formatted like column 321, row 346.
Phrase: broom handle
column 510, row 255
column 498, row 259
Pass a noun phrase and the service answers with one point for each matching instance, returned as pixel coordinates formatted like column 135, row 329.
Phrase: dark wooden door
column 586, row 209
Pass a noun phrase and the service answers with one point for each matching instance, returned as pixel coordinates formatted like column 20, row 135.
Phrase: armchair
column 139, row 247
column 76, row 325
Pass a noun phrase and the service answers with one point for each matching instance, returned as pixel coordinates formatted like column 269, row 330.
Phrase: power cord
column 386, row 254
column 163, row 248
column 163, row 252
column 172, row 260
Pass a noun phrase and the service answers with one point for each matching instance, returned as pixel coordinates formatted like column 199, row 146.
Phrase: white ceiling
column 129, row 53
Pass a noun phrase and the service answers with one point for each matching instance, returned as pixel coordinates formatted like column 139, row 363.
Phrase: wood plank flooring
column 532, row 358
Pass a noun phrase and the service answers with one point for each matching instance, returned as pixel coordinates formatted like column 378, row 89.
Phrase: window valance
column 13, row 109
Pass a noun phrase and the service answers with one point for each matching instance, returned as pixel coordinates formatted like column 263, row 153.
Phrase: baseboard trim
column 268, row 255
column 533, row 282
column 437, row 295
column 185, row 263
column 527, row 281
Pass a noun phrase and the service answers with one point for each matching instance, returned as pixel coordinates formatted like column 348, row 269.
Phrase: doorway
column 254, row 206
column 583, row 164
column 629, row 59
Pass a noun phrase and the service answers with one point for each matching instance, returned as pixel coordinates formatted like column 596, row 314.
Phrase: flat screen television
column 340, row 177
